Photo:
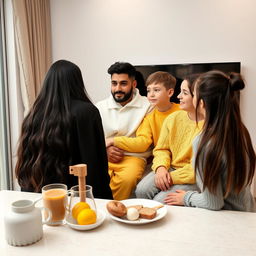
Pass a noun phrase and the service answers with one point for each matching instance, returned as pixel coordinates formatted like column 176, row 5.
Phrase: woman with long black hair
column 62, row 128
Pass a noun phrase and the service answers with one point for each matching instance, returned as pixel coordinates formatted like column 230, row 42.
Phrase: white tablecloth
column 183, row 231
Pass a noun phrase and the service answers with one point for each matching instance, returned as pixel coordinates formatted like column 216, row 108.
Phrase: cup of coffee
column 55, row 198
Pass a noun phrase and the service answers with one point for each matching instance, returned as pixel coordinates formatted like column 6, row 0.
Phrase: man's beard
column 125, row 98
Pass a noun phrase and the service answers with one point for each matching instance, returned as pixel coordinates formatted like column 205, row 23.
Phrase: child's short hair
column 165, row 78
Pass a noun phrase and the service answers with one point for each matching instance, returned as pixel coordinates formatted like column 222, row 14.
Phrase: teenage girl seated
column 224, row 158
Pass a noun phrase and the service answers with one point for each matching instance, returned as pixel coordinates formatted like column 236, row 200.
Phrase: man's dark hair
column 122, row 68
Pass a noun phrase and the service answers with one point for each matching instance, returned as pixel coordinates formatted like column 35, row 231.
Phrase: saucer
column 71, row 222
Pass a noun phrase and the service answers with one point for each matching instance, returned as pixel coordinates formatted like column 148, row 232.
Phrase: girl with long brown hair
column 224, row 158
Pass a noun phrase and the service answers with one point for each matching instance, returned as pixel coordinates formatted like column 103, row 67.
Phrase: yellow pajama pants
column 125, row 175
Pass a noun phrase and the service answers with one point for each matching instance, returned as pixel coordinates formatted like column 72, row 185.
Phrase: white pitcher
column 23, row 223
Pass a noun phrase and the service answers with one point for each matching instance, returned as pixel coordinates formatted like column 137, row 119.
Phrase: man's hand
column 163, row 179
column 175, row 198
column 109, row 142
column 115, row 154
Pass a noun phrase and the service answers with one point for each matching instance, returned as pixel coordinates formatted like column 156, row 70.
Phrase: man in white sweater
column 122, row 113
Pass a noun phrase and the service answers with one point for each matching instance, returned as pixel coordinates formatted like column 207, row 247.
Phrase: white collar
column 135, row 102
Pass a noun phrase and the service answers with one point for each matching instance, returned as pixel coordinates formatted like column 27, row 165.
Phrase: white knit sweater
column 121, row 120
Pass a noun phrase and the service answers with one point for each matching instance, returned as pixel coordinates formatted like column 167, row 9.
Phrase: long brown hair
column 43, row 150
column 225, row 147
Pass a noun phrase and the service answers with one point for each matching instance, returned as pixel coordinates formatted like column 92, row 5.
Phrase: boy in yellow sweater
column 160, row 87
column 172, row 168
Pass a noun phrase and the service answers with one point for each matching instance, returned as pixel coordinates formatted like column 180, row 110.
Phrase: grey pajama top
column 243, row 201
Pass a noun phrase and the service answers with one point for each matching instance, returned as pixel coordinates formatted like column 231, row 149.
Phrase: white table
column 183, row 231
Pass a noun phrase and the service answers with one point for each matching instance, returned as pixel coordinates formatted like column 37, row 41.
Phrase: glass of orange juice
column 55, row 198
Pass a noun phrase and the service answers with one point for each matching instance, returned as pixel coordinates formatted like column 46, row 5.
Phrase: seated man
column 121, row 115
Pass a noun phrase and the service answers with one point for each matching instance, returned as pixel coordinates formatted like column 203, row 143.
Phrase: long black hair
column 225, row 146
column 43, row 149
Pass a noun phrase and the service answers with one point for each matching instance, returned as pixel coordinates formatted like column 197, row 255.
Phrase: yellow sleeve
column 162, row 153
column 140, row 143
column 184, row 175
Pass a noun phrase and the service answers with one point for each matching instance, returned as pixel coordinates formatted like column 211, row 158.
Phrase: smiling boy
column 160, row 87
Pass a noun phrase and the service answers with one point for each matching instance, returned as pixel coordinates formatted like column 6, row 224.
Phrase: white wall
column 96, row 33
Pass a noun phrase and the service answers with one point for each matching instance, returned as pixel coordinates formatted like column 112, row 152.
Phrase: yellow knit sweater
column 174, row 147
column 147, row 133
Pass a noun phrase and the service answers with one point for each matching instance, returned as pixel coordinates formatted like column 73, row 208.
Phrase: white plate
column 71, row 222
column 146, row 203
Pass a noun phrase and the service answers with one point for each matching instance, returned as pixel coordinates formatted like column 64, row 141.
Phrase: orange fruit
column 78, row 207
column 86, row 217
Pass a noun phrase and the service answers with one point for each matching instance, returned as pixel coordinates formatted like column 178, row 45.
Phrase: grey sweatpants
column 147, row 189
